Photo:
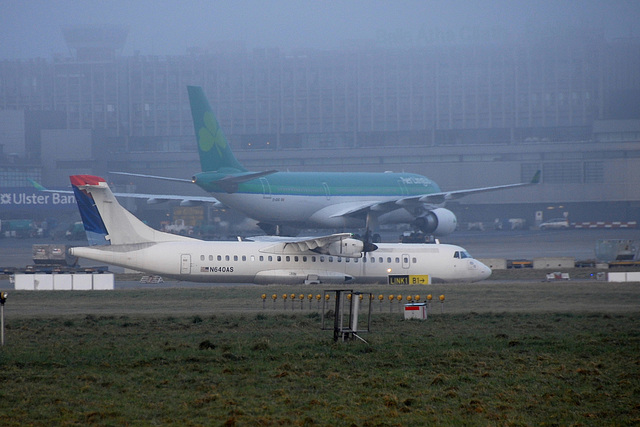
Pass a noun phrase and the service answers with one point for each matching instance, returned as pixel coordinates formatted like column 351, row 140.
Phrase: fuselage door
column 327, row 192
column 266, row 188
column 406, row 261
column 185, row 264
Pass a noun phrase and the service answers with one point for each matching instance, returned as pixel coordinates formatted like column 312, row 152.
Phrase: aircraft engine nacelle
column 350, row 248
column 437, row 222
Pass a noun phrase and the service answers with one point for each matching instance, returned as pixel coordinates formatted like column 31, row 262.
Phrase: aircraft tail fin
column 213, row 147
column 106, row 221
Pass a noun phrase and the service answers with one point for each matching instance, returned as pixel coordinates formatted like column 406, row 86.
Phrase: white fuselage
column 248, row 262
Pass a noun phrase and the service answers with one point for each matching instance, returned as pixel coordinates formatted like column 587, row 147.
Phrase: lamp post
column 3, row 299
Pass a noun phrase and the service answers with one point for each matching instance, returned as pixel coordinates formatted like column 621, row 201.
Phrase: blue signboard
column 20, row 198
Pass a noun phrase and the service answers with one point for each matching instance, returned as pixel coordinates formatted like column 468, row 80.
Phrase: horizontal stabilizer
column 231, row 182
column 164, row 178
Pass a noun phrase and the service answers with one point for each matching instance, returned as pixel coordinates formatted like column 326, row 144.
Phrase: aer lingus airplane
column 123, row 240
column 316, row 199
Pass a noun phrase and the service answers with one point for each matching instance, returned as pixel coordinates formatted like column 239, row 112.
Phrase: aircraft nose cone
column 485, row 272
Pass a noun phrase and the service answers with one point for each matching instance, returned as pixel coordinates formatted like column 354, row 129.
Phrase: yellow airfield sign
column 408, row 279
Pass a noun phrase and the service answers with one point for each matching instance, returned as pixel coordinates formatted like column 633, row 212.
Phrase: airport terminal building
column 466, row 110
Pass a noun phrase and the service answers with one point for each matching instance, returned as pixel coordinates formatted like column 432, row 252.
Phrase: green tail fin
column 213, row 147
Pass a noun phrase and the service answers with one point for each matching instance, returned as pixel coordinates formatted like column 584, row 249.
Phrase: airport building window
column 562, row 172
column 593, row 172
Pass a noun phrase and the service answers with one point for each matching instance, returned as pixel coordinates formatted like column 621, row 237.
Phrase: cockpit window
column 461, row 254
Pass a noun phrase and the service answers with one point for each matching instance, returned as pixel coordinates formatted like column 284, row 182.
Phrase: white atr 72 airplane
column 121, row 239
column 284, row 202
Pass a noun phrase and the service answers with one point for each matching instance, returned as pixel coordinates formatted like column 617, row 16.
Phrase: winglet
column 536, row 177
column 36, row 185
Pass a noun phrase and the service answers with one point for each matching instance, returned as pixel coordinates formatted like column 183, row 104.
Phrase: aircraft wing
column 357, row 209
column 340, row 244
column 150, row 198
column 439, row 198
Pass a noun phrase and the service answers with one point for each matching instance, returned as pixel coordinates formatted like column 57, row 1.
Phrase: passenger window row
column 305, row 258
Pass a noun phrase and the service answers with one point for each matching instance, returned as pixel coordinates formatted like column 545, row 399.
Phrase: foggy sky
column 32, row 28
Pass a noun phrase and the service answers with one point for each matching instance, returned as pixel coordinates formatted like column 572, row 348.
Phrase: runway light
column 293, row 296
column 417, row 298
column 380, row 297
column 327, row 297
column 284, row 297
column 274, row 296
column 399, row 297
column 429, row 297
column 361, row 297
column 442, row 298
column 318, row 297
column 409, row 298
column 264, row 297
column 391, row 297
column 301, row 296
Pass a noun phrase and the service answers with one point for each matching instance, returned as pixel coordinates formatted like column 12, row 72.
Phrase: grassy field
column 494, row 354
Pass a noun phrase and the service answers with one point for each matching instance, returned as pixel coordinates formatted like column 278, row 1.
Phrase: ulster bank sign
column 26, row 198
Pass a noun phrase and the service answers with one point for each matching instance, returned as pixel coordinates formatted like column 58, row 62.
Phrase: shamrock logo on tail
column 210, row 135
